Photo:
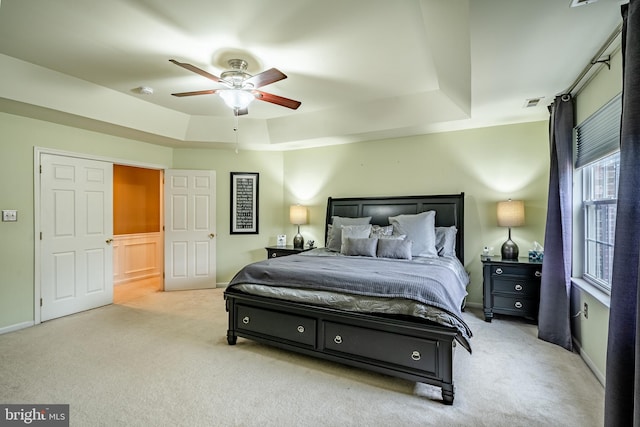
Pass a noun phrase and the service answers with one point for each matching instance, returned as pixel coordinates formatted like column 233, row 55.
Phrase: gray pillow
column 390, row 248
column 446, row 241
column 334, row 238
column 394, row 237
column 420, row 228
column 359, row 247
column 356, row 231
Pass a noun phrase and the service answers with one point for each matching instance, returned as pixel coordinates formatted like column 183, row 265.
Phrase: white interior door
column 76, row 202
column 190, row 229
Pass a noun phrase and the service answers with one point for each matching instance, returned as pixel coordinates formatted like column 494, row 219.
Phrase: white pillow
column 420, row 229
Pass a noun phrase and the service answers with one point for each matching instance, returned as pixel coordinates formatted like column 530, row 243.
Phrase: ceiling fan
column 241, row 88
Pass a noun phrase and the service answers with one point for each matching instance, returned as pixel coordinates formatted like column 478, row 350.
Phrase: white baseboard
column 16, row 327
column 599, row 375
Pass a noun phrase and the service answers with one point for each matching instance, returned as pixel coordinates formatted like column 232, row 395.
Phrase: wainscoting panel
column 137, row 256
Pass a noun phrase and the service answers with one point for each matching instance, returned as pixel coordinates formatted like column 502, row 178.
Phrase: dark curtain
column 553, row 317
column 623, row 363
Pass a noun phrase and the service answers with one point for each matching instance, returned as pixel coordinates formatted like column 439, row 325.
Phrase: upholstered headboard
column 449, row 211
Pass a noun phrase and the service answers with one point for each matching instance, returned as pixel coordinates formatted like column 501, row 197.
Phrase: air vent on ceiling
column 576, row 3
column 532, row 102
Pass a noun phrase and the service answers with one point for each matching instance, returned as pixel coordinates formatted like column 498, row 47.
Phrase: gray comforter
column 432, row 282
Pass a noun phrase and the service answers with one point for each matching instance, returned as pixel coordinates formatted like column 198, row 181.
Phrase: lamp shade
column 511, row 213
column 298, row 214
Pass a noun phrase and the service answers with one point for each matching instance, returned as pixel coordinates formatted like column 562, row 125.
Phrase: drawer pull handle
column 415, row 355
column 518, row 304
column 518, row 287
column 337, row 339
column 273, row 255
column 498, row 270
column 301, row 329
column 538, row 274
column 245, row 320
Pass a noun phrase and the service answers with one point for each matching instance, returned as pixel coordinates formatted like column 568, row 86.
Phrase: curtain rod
column 596, row 59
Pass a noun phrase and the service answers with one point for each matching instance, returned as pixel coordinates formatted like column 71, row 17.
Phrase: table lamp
column 298, row 216
column 510, row 214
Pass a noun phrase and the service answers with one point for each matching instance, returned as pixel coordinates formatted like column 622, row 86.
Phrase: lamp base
column 298, row 241
column 509, row 250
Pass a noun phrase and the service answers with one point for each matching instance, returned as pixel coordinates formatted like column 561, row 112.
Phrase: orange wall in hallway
column 136, row 200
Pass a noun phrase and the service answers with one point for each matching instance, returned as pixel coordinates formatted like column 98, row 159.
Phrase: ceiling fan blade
column 266, row 77
column 196, row 70
column 275, row 99
column 197, row 92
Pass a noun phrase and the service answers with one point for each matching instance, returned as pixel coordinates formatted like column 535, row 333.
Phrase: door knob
column 211, row 236
column 109, row 241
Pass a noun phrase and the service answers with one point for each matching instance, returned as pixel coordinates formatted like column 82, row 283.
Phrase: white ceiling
column 363, row 69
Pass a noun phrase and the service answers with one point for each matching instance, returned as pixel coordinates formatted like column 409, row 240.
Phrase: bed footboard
column 416, row 351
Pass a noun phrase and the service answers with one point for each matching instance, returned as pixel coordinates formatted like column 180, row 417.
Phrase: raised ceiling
column 363, row 69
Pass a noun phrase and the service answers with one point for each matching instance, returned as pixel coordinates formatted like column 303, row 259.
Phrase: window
column 599, row 198
column 598, row 167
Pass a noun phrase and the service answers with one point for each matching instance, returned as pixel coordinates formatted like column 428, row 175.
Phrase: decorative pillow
column 394, row 237
column 359, row 247
column 381, row 230
column 420, row 228
column 334, row 236
column 446, row 240
column 393, row 248
column 356, row 231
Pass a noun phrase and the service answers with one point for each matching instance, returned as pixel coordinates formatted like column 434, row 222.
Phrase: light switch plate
column 9, row 215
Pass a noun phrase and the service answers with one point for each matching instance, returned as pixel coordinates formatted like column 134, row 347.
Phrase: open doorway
column 138, row 261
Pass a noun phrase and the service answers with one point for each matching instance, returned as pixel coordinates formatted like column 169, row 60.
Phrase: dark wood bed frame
column 401, row 346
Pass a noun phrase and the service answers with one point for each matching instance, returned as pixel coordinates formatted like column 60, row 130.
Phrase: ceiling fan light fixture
column 236, row 99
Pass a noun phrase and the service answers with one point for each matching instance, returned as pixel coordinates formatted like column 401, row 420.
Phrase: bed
column 397, row 313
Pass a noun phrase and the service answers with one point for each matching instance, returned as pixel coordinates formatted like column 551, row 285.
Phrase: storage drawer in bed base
column 416, row 351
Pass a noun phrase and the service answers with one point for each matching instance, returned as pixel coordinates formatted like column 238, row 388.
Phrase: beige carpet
column 162, row 360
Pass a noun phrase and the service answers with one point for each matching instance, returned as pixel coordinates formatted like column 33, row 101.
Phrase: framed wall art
column 244, row 202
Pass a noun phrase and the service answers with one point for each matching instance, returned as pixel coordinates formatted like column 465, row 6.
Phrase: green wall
column 18, row 137
column 488, row 164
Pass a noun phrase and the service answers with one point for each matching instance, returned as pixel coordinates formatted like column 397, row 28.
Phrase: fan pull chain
column 235, row 129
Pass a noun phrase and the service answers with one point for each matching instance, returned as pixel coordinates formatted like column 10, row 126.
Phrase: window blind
column 599, row 135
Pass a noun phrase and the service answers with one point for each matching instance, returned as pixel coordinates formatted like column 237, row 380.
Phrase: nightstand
column 511, row 287
column 278, row 251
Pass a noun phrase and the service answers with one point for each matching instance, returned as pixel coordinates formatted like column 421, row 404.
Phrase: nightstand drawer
column 276, row 324
column 533, row 272
column 526, row 307
column 274, row 253
column 278, row 251
column 519, row 287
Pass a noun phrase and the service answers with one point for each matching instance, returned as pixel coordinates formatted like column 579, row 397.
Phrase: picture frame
column 244, row 202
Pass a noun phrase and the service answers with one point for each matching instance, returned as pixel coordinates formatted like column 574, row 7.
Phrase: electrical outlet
column 9, row 215
column 585, row 310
